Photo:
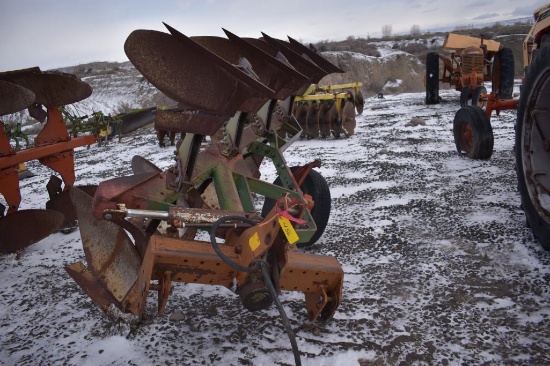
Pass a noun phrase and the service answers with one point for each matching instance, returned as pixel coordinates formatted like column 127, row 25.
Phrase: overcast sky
column 57, row 33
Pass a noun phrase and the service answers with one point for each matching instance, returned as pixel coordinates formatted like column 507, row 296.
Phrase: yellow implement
column 329, row 109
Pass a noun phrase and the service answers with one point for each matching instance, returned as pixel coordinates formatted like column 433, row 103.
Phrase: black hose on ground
column 284, row 318
column 265, row 273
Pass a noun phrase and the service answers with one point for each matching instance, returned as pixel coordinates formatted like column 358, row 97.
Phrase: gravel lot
column 440, row 268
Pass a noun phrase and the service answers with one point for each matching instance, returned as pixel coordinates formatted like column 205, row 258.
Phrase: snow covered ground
column 439, row 266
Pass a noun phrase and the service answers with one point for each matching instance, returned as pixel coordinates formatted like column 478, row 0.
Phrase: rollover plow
column 240, row 93
column 46, row 95
column 53, row 147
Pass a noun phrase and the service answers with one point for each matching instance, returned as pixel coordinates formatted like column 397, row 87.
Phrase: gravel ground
column 440, row 268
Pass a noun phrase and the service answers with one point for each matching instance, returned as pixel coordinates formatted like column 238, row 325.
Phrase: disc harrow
column 323, row 111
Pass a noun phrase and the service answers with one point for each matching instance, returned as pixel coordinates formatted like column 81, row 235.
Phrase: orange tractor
column 474, row 135
column 472, row 62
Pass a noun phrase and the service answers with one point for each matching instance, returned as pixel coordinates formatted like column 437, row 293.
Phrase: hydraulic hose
column 216, row 247
column 284, row 318
column 267, row 278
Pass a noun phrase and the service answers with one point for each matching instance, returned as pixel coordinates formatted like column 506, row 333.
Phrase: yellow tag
column 254, row 241
column 289, row 231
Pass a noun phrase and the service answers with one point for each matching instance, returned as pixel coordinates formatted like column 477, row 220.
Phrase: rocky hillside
column 390, row 65
column 119, row 87
column 391, row 71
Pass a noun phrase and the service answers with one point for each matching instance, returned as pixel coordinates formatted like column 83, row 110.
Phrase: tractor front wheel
column 473, row 133
column 465, row 94
column 478, row 97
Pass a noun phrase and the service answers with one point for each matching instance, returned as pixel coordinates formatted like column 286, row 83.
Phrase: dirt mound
column 392, row 73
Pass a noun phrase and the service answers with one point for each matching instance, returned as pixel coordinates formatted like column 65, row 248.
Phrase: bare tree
column 387, row 30
column 415, row 30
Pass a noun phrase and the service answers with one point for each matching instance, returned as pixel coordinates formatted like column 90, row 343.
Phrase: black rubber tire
column 473, row 133
column 317, row 187
column 359, row 102
column 478, row 92
column 432, row 78
column 503, row 73
column 529, row 148
column 465, row 96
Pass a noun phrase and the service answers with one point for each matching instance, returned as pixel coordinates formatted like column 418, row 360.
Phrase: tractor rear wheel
column 432, row 78
column 532, row 147
column 317, row 187
column 473, row 133
column 503, row 73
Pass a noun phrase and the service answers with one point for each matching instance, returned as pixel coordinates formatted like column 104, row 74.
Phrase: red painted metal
column 495, row 104
column 53, row 147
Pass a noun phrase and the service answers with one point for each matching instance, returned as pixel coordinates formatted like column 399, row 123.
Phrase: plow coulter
column 237, row 93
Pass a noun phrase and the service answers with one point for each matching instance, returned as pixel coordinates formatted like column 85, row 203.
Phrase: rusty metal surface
column 54, row 130
column 315, row 71
column 316, row 57
column 91, row 286
column 142, row 165
column 312, row 120
column 264, row 67
column 293, row 60
column 313, row 274
column 109, row 252
column 135, row 120
column 9, row 188
column 191, row 261
column 52, row 89
column 348, row 117
column 14, row 98
column 44, row 151
column 61, row 202
column 139, row 191
column 14, row 228
column 177, row 66
column 186, row 121
column 324, row 118
column 274, row 73
column 197, row 215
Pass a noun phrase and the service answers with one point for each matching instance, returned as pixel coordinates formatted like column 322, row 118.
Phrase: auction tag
column 289, row 231
column 254, row 241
